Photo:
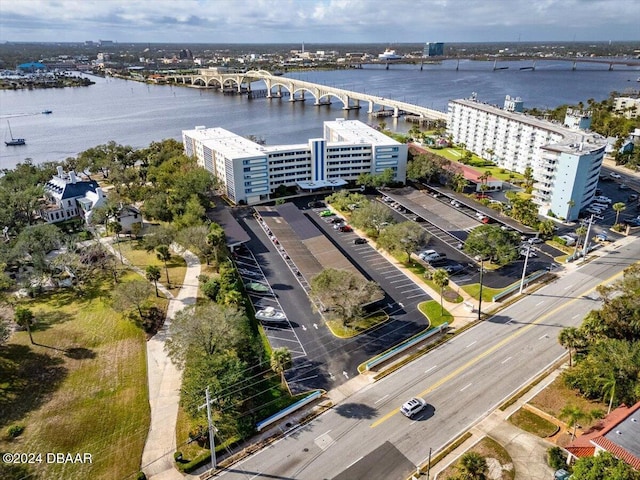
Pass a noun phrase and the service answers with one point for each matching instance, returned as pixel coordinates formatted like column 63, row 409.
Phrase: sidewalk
column 164, row 384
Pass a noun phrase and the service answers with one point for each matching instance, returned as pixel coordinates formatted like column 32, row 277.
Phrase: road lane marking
column 465, row 387
column 575, row 316
column 353, row 463
column 428, row 370
column 505, row 360
column 494, row 348
column 381, row 399
column 475, row 341
column 319, row 436
column 539, row 303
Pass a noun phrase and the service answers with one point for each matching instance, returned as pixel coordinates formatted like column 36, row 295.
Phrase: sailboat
column 14, row 141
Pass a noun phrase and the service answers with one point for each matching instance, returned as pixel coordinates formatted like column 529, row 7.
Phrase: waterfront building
column 432, row 49
column 67, row 197
column 250, row 172
column 627, row 106
column 565, row 160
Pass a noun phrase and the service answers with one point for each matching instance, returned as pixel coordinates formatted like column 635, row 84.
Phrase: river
column 136, row 114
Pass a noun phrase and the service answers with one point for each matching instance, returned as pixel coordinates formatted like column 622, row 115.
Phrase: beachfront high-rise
column 250, row 172
column 565, row 161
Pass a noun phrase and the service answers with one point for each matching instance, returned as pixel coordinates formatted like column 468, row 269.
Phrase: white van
column 569, row 241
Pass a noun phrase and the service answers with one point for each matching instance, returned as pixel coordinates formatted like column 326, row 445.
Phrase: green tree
column 528, row 179
column 152, row 272
column 407, row 237
column 5, row 331
column 441, row 278
column 570, row 339
column 603, row 466
column 343, row 293
column 164, row 255
column 472, row 466
column 500, row 246
column 546, row 228
column 207, row 329
column 372, row 217
column 618, row 208
column 24, row 317
column 573, row 414
column 280, row 362
column 131, row 294
column 216, row 240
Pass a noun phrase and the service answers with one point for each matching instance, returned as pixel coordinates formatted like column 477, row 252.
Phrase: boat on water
column 389, row 55
column 270, row 314
column 12, row 142
column 47, row 112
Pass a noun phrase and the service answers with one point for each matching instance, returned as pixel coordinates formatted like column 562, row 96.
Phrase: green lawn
column 356, row 328
column 487, row 448
column 83, row 388
column 132, row 250
column 487, row 292
column 437, row 316
column 532, row 423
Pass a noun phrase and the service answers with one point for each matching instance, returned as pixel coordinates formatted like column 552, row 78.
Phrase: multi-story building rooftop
column 565, row 161
column 250, row 172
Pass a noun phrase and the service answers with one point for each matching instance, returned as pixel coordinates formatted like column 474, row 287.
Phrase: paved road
column 463, row 381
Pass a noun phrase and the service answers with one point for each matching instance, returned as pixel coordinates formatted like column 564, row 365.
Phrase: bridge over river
column 279, row 87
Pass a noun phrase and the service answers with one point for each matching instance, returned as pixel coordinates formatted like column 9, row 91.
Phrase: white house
column 68, row 197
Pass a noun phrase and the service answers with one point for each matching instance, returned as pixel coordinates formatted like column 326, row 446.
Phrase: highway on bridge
column 462, row 381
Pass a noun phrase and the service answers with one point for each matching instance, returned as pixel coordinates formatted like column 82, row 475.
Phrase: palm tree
column 164, row 255
column 569, row 339
column 619, row 207
column 281, row 361
column 472, row 466
column 608, row 385
column 153, row 275
column 573, row 414
column 441, row 278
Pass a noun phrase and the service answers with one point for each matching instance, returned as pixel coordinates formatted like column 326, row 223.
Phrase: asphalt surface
column 320, row 359
column 462, row 381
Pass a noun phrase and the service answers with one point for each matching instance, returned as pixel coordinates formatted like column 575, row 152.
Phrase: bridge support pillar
column 533, row 67
column 611, row 67
column 457, row 65
column 396, row 111
column 574, row 65
column 370, row 110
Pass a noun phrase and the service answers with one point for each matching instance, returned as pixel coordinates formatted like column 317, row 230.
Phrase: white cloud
column 256, row 21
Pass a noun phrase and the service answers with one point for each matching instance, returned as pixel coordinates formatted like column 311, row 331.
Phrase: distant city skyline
column 318, row 21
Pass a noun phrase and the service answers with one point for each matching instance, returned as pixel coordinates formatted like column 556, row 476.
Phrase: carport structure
column 309, row 249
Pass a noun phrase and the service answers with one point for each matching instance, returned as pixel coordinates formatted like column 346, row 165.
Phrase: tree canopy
column 500, row 246
column 407, row 237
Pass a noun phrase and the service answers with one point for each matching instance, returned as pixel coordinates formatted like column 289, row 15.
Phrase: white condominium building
column 250, row 172
column 565, row 161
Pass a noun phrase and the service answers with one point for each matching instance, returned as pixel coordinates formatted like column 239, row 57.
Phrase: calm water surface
column 136, row 114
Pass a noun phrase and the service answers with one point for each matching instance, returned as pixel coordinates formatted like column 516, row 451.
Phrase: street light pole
column 586, row 240
column 480, row 296
column 212, row 429
column 524, row 269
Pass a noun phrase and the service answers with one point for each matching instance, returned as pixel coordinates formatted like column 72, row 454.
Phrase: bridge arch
column 214, row 82
column 199, row 81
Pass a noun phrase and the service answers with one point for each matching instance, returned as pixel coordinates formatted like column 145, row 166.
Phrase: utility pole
column 524, row 269
column 212, row 429
column 480, row 296
column 429, row 464
column 586, row 240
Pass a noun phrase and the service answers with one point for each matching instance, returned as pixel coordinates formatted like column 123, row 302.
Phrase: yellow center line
column 491, row 350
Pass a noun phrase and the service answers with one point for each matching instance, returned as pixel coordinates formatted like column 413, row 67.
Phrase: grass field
column 132, row 250
column 532, row 423
column 357, row 327
column 490, row 450
column 82, row 388
column 431, row 309
column 487, row 292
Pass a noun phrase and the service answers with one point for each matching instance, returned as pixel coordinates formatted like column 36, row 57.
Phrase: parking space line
column 411, row 290
column 401, row 280
column 416, row 296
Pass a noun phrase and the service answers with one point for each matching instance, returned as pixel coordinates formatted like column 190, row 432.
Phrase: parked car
column 270, row 314
column 345, row 228
column 360, row 241
column 481, row 196
column 413, row 406
column 601, row 237
column 316, row 204
column 601, row 199
column 430, row 255
column 453, row 268
column 326, row 213
column 569, row 241
column 632, row 198
column 535, row 240
column 337, row 220
column 455, row 203
column 615, row 175
column 623, row 186
column 532, row 253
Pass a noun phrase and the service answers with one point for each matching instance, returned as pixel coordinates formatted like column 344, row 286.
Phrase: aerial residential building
column 250, row 172
column 69, row 197
column 629, row 107
column 565, row 160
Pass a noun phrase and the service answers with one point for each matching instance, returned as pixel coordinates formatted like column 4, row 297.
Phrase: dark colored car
column 316, row 204
column 360, row 241
column 453, row 268
column 337, row 220
column 346, row 228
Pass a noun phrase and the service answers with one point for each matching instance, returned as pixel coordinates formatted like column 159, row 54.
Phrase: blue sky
column 319, row 21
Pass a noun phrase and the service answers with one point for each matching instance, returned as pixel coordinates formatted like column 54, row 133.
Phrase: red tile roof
column 584, row 445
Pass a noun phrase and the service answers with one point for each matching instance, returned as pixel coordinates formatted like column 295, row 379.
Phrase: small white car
column 615, row 175
column 413, row 406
